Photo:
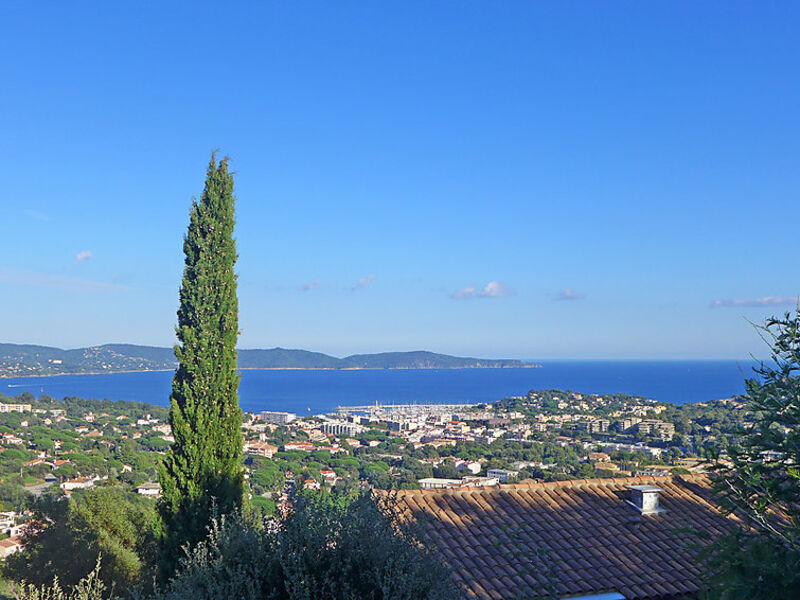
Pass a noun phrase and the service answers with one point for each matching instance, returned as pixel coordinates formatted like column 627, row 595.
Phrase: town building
column 629, row 422
column 8, row 521
column 660, row 428
column 403, row 425
column 595, row 425
column 438, row 483
column 479, row 482
column 316, row 435
column 151, row 489
column 5, row 408
column 277, row 417
column 9, row 546
column 260, row 449
column 599, row 457
column 10, row 438
column 473, row 467
column 648, row 450
column 502, row 475
column 300, row 445
column 78, row 483
column 606, row 466
column 342, row 428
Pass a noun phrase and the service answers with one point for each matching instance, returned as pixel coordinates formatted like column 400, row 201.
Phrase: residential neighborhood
column 63, row 447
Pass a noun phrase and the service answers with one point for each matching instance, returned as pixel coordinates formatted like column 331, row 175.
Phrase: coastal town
column 60, row 448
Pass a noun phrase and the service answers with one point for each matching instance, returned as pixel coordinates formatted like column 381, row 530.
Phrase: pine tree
column 201, row 474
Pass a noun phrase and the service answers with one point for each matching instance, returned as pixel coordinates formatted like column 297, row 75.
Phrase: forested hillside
column 23, row 360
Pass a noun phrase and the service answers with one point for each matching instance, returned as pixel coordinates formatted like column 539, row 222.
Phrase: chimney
column 644, row 498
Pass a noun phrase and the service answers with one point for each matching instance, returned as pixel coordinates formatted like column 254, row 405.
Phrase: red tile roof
column 569, row 537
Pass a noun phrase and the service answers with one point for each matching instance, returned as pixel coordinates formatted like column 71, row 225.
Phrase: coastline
column 666, row 381
column 531, row 366
column 88, row 373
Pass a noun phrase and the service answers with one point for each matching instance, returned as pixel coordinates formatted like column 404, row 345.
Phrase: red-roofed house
column 260, row 448
column 304, row 446
column 628, row 538
column 9, row 546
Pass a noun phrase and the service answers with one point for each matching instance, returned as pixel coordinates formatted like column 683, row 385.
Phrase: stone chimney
column 644, row 498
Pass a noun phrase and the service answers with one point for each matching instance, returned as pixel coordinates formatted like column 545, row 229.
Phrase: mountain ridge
column 20, row 360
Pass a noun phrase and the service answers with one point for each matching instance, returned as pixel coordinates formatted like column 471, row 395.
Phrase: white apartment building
column 6, row 408
column 277, row 417
column 438, row 483
column 502, row 475
column 342, row 428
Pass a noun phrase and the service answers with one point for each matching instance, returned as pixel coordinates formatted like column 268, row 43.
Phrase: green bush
column 90, row 587
column 69, row 535
column 330, row 547
column 12, row 454
column 265, row 505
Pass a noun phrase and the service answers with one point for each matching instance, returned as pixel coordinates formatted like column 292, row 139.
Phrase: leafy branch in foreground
column 762, row 485
column 90, row 587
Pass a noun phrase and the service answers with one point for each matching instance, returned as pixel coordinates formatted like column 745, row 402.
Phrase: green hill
column 423, row 360
column 18, row 360
column 281, row 358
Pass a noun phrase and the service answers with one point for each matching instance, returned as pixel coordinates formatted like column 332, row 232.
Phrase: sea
column 321, row 391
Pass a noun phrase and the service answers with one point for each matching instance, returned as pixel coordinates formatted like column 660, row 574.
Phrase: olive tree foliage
column 762, row 487
column 328, row 547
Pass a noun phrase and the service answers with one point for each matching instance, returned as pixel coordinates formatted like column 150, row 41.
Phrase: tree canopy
column 762, row 487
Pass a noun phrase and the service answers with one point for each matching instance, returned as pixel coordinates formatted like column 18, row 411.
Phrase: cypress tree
column 201, row 474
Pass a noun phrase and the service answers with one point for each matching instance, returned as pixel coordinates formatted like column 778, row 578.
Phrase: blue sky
column 535, row 180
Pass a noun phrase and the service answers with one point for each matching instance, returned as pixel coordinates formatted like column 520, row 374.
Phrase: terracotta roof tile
column 578, row 537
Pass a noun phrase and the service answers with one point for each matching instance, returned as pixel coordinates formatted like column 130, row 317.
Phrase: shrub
column 68, row 535
column 90, row 587
column 330, row 546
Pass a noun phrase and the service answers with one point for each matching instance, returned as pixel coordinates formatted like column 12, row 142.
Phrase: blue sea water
column 321, row 391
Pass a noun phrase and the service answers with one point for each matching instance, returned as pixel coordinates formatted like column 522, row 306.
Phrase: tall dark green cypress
column 201, row 474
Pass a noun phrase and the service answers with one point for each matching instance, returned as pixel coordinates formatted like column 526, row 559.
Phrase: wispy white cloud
column 570, row 294
column 84, row 255
column 756, row 302
column 493, row 289
column 307, row 287
column 51, row 281
column 36, row 215
column 465, row 292
column 363, row 282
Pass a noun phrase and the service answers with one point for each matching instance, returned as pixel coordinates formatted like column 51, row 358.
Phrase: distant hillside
column 25, row 360
column 281, row 358
column 423, row 360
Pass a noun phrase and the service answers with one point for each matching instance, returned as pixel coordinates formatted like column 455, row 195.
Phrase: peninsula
column 27, row 360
